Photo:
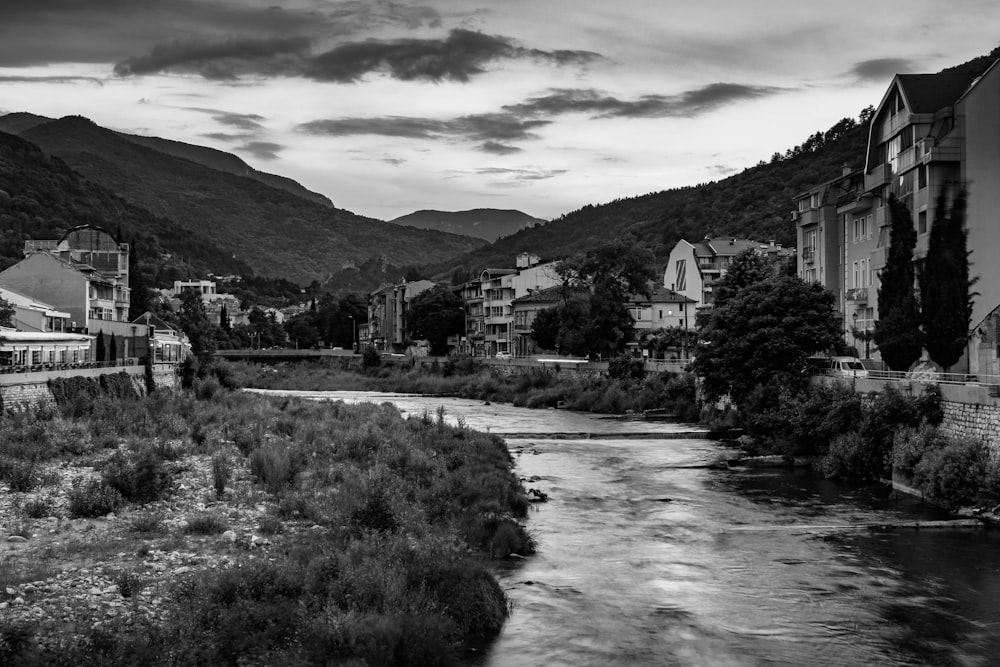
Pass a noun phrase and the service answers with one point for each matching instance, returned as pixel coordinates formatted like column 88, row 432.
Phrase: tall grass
column 407, row 515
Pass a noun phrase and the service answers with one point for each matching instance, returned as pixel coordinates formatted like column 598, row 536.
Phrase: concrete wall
column 30, row 390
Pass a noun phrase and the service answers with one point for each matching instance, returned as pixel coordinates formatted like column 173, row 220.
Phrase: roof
column 14, row 336
column 661, row 294
column 547, row 295
column 926, row 93
column 725, row 246
column 151, row 319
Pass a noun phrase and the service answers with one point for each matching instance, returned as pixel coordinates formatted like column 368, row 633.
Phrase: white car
column 503, row 355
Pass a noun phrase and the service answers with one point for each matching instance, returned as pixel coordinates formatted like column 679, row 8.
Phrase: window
column 922, row 177
column 680, row 281
column 814, row 200
column 854, row 271
column 922, row 222
column 871, row 226
column 857, row 230
column 661, row 315
column 36, row 356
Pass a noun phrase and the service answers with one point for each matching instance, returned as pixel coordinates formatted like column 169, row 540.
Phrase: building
column 499, row 289
column 33, row 315
column 525, row 308
column 836, row 232
column 213, row 301
column 931, row 133
column 387, row 308
column 694, row 268
column 85, row 273
column 164, row 343
column 38, row 350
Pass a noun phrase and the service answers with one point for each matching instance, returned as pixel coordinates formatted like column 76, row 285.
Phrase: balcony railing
column 858, row 295
column 808, row 254
column 877, row 177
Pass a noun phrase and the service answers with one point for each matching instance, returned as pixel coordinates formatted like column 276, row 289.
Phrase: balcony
column 879, row 176
column 857, row 295
column 948, row 150
column 809, row 254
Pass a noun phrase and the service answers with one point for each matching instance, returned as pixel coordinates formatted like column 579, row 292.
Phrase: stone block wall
column 972, row 420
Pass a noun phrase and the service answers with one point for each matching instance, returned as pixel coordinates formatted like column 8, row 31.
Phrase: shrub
column 129, row 583
column 910, row 444
column 849, row 457
column 143, row 480
column 147, row 522
column 376, row 514
column 955, row 474
column 621, row 368
column 206, row 523
column 19, row 475
column 96, row 498
column 39, row 508
column 371, row 358
column 222, row 472
column 274, row 466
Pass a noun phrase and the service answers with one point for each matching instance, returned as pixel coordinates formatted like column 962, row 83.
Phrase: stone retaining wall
column 19, row 391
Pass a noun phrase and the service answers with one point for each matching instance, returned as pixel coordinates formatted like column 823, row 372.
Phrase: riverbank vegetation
column 863, row 438
column 625, row 389
column 370, row 535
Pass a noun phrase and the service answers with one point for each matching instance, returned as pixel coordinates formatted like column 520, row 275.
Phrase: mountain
column 485, row 223
column 41, row 198
column 20, row 122
column 275, row 232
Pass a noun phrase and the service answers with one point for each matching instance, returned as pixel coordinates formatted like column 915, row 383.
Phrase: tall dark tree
column 897, row 331
column 224, row 322
column 99, row 354
column 194, row 322
column 946, row 296
column 113, row 348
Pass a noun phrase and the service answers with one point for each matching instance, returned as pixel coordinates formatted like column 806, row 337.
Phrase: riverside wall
column 970, row 410
column 20, row 391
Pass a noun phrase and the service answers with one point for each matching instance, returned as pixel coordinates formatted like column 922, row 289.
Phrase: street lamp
column 354, row 328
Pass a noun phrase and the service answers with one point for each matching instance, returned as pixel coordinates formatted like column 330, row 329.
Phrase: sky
column 388, row 107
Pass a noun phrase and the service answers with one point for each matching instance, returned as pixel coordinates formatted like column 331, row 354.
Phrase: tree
column 593, row 318
column 99, row 344
column 946, row 296
column 762, row 335
column 747, row 268
column 194, row 322
column 897, row 331
column 224, row 322
column 113, row 348
column 433, row 315
column 6, row 313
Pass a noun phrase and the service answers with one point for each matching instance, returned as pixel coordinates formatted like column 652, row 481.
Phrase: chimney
column 845, row 169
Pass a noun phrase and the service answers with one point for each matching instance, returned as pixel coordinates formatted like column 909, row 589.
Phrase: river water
column 646, row 557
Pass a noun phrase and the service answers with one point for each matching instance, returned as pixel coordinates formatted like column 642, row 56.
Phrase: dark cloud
column 687, row 104
column 221, row 60
column 229, row 136
column 497, row 148
column 51, row 79
column 479, row 127
column 264, row 150
column 881, row 69
column 460, row 56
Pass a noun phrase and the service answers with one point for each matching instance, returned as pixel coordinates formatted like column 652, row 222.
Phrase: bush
column 143, row 480
column 371, row 358
column 222, row 472
column 955, row 474
column 39, row 508
column 19, row 475
column 206, row 523
column 849, row 457
column 93, row 499
column 622, row 368
column 910, row 444
column 274, row 466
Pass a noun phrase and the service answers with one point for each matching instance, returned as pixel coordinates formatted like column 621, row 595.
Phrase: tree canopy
column 897, row 331
column 435, row 314
column 763, row 333
column 946, row 296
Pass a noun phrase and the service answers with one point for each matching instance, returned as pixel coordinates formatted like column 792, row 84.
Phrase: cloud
column 221, row 60
column 264, row 150
column 498, row 148
column 687, row 104
column 881, row 69
column 458, row 57
column 495, row 127
column 521, row 175
column 229, row 136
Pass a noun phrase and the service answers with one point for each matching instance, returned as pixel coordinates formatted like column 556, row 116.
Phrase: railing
column 65, row 366
column 916, row 376
column 808, row 254
column 857, row 295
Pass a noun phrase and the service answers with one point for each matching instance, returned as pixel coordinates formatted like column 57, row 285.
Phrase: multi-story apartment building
column 33, row 315
column 525, row 309
column 387, row 306
column 500, row 287
column 85, row 273
column 694, row 268
column 836, row 235
column 931, row 133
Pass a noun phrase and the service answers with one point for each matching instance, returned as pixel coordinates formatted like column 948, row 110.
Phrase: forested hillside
column 41, row 197
column 276, row 233
column 756, row 203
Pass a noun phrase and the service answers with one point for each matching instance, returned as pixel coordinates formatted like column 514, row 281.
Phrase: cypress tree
column 113, row 348
column 946, row 295
column 897, row 331
column 99, row 352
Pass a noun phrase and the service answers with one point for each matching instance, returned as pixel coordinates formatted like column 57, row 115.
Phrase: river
column 647, row 557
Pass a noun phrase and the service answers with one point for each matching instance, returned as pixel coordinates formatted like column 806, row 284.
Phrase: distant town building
column 694, row 268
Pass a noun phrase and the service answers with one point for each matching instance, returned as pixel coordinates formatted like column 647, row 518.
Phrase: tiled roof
column 547, row 295
column 661, row 294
